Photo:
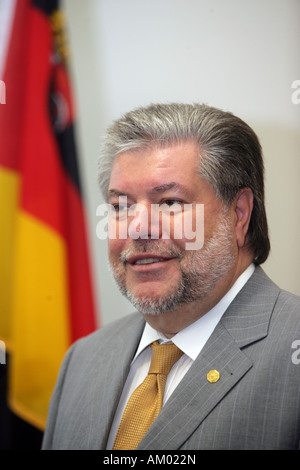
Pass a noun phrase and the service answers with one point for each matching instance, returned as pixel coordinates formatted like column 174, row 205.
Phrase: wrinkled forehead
column 180, row 159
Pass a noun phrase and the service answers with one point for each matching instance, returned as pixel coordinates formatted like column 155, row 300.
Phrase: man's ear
column 243, row 210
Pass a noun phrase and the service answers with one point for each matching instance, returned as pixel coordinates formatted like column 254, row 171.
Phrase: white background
column 241, row 56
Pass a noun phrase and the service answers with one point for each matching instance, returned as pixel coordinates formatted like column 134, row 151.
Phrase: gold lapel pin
column 213, row 376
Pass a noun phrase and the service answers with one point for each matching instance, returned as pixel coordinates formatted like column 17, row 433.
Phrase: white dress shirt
column 190, row 340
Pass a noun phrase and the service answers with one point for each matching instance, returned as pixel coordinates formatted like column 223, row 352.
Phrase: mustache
column 159, row 248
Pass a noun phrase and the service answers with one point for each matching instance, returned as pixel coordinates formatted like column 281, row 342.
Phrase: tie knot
column 163, row 357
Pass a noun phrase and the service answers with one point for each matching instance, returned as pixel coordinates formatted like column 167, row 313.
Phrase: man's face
column 158, row 275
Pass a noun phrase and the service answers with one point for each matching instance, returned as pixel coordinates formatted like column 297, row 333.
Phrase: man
column 234, row 384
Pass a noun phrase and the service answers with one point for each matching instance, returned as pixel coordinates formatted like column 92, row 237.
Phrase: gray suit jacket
column 254, row 405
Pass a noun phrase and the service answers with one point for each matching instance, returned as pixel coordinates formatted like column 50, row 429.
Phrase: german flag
column 46, row 298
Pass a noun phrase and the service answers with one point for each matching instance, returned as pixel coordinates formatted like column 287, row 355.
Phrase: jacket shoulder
column 109, row 334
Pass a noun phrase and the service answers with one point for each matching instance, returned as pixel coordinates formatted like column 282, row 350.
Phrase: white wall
column 241, row 56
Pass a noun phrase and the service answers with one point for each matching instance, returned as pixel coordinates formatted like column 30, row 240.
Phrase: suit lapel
column 245, row 321
column 124, row 342
column 248, row 317
column 195, row 396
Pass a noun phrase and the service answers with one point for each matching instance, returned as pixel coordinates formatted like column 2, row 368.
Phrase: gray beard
column 205, row 268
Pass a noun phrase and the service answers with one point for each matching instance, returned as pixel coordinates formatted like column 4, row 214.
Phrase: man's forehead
column 158, row 170
column 183, row 155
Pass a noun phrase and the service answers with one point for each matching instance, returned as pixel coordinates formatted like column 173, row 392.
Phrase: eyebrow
column 167, row 186
column 155, row 190
column 115, row 192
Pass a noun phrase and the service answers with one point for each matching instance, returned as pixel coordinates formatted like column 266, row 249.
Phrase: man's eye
column 119, row 207
column 171, row 202
column 171, row 206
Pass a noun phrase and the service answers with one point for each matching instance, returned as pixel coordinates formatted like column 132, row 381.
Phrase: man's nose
column 141, row 225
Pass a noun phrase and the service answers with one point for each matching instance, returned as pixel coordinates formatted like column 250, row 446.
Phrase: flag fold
column 46, row 296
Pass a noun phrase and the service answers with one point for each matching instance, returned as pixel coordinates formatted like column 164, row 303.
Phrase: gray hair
column 230, row 155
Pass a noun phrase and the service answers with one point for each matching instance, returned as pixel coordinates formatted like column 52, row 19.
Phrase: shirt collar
column 192, row 338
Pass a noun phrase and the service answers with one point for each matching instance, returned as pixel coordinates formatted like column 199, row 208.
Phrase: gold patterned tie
column 146, row 401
